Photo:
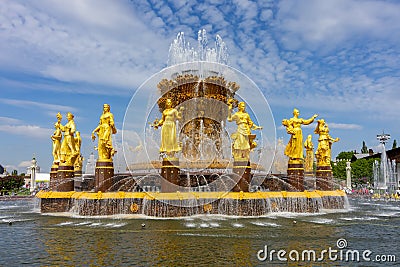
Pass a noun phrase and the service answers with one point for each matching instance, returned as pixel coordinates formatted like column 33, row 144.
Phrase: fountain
column 211, row 152
column 385, row 177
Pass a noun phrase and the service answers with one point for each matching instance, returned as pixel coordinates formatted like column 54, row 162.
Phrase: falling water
column 385, row 177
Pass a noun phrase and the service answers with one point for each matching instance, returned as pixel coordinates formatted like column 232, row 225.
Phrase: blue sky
column 337, row 58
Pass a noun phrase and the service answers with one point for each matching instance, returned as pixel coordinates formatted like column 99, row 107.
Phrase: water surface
column 34, row 239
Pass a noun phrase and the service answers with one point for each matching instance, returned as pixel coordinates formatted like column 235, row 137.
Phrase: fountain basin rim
column 188, row 195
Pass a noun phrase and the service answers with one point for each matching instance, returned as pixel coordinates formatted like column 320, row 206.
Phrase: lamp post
column 383, row 138
column 384, row 172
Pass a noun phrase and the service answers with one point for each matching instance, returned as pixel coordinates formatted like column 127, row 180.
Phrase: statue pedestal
column 53, row 176
column 64, row 181
column 78, row 172
column 170, row 172
column 243, row 169
column 103, row 175
column 295, row 174
column 324, row 178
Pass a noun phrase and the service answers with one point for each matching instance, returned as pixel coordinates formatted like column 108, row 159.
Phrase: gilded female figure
column 68, row 151
column 294, row 149
column 56, row 138
column 323, row 153
column 169, row 142
column 104, row 131
column 309, row 161
column 241, row 142
column 78, row 144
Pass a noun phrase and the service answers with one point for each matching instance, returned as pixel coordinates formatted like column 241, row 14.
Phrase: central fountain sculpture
column 207, row 158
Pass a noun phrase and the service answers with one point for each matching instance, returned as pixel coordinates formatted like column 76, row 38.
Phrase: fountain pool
column 67, row 239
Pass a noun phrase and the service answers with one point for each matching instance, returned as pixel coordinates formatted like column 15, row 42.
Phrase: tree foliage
column 339, row 170
column 362, row 171
column 345, row 155
column 394, row 144
column 11, row 182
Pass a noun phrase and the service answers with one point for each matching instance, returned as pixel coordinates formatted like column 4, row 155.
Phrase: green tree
column 362, row 171
column 345, row 155
column 14, row 172
column 394, row 144
column 364, row 149
column 339, row 169
column 11, row 183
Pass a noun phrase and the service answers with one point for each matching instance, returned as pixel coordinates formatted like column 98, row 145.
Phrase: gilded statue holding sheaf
column 169, row 141
column 243, row 140
column 104, row 131
column 325, row 141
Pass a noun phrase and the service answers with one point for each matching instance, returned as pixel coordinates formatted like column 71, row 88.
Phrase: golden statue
column 56, row 138
column 323, row 153
column 104, row 131
column 79, row 158
column 309, row 161
column 242, row 138
column 169, row 143
column 68, row 151
column 294, row 149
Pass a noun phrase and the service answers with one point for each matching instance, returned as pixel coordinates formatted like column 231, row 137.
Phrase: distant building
column 359, row 156
column 90, row 165
column 393, row 154
column 42, row 179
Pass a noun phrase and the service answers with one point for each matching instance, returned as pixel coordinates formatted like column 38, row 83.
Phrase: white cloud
column 27, row 103
column 325, row 24
column 8, row 120
column 32, row 131
column 24, row 164
column 89, row 41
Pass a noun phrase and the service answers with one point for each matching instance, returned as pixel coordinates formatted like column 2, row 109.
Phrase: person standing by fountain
column 294, row 149
column 243, row 143
column 323, row 155
column 169, row 146
column 104, row 166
